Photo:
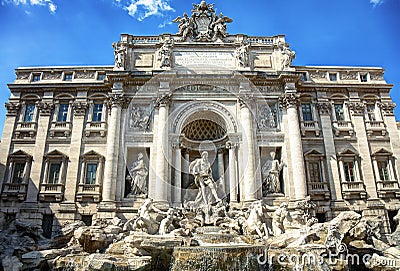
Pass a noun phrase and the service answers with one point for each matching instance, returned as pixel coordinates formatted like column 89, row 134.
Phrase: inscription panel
column 144, row 60
column 220, row 59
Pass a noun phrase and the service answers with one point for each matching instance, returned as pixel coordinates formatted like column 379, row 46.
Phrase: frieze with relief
column 348, row 76
column 52, row 76
column 140, row 118
column 84, row 75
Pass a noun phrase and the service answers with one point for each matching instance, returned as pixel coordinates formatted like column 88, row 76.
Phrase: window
column 18, row 172
column 97, row 112
column 54, row 173
column 47, row 225
column 383, row 167
column 68, row 77
column 87, row 220
column 339, row 112
column 63, row 112
column 349, row 170
column 306, row 112
column 36, row 78
column 101, row 76
column 364, row 77
column 29, row 110
column 304, row 76
column 333, row 77
column 91, row 170
column 371, row 112
column 314, row 171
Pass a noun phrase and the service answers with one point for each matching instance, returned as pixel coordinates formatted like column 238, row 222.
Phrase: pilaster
column 357, row 110
column 324, row 109
column 45, row 108
column 79, row 107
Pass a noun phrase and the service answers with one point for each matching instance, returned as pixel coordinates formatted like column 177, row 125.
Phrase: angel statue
column 138, row 174
column 219, row 26
column 271, row 171
column 185, row 26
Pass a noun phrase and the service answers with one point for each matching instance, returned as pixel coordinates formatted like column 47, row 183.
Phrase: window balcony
column 375, row 127
column 310, row 126
column 14, row 191
column 88, row 193
column 96, row 127
column 51, row 192
column 388, row 189
column 343, row 127
column 318, row 189
column 25, row 129
column 62, row 129
column 353, row 190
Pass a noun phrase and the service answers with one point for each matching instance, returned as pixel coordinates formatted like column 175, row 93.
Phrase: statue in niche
column 165, row 53
column 186, row 25
column 120, row 52
column 271, row 172
column 287, row 56
column 201, row 169
column 139, row 119
column 242, row 54
column 138, row 175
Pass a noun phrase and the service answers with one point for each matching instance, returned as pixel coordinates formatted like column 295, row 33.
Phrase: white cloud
column 376, row 2
column 49, row 3
column 142, row 9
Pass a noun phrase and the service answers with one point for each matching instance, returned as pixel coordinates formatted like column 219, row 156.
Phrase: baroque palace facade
column 81, row 143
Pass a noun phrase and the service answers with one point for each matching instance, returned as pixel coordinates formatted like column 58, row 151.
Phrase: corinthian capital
column 387, row 108
column 45, row 108
column 119, row 100
column 324, row 108
column 288, row 100
column 12, row 108
column 163, row 100
column 357, row 108
column 79, row 108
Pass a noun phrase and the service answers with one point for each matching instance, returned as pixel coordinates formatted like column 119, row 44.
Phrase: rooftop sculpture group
column 203, row 25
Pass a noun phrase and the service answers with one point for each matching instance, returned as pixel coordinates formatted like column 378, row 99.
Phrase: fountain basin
column 217, row 258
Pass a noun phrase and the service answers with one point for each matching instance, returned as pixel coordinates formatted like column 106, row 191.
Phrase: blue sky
column 72, row 32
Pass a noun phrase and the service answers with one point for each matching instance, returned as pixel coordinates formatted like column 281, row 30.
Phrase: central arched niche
column 204, row 131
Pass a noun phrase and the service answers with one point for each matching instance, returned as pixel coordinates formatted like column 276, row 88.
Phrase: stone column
column 249, row 176
column 178, row 175
column 79, row 109
column 45, row 110
column 357, row 109
column 117, row 101
column 185, row 166
column 233, row 187
column 8, row 130
column 289, row 102
column 324, row 109
column 221, row 170
column 161, row 193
